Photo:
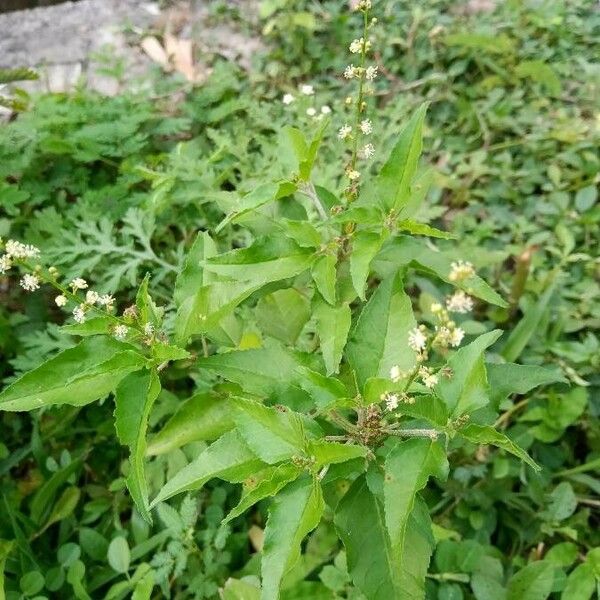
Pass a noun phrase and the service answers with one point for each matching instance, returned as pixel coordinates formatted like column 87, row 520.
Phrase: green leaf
column 118, row 555
column 265, row 484
column 295, row 512
column 148, row 311
column 365, row 246
column 64, row 507
column 204, row 416
column 283, row 314
column 393, row 184
column 94, row 326
column 327, row 453
column 193, row 276
column 533, row 582
column 134, row 398
column 581, row 583
column 333, row 325
column 266, row 260
column 483, row 434
column 325, row 391
column 423, row 229
column 467, row 388
column 519, row 337
column 379, row 572
column 76, row 376
column 542, row 73
column 5, row 549
column 324, row 275
column 379, row 339
column 228, row 458
column 407, row 468
column 272, row 434
column 506, row 379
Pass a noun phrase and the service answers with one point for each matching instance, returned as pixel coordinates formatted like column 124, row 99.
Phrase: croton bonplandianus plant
column 339, row 405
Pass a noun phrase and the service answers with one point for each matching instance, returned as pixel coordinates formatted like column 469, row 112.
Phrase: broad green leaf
column 267, row 259
column 327, row 453
column 263, row 194
column 467, row 388
column 162, row 352
column 506, row 379
column 325, row 391
column 519, row 337
column 119, row 556
column 423, row 229
column 379, row 572
column 228, row 458
column 76, row 376
column 283, row 314
column 483, row 434
column 204, row 416
column 5, row 549
column 324, row 275
column 259, row 371
column 540, row 72
column 299, row 153
column 379, row 339
column 333, row 325
column 533, row 582
column 134, row 398
column 193, row 276
column 581, row 583
column 64, row 507
column 295, row 512
column 272, row 434
column 419, row 188
column 393, row 184
column 265, row 484
column 562, row 503
column 365, row 246
column 407, row 468
column 93, row 326
column 236, row 589
column 148, row 311
column 304, row 233
column 402, row 250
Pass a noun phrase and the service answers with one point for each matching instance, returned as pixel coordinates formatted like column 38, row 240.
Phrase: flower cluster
column 461, row 270
column 311, row 111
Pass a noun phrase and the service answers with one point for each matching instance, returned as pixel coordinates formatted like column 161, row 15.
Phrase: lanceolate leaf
column 76, row 376
column 324, row 276
column 333, row 325
column 467, row 388
column 193, row 276
column 483, row 434
column 393, row 183
column 134, row 398
column 295, row 512
column 204, row 416
column 365, row 246
column 327, row 453
column 265, row 484
column 228, row 458
column 380, row 338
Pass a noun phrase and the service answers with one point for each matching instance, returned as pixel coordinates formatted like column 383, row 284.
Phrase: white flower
column 429, row 378
column 396, row 374
column 79, row 313
column 107, row 301
column 363, row 5
column 5, row 263
column 120, row 332
column 30, row 282
column 148, row 329
column 91, row 297
column 391, row 401
column 325, row 110
column 461, row 270
column 368, row 151
column 60, row 300
column 459, row 302
column 436, row 308
column 371, row 73
column 311, row 112
column 350, row 71
column 79, row 284
column 456, row 337
column 352, row 174
column 288, row 98
column 366, row 126
column 417, row 340
column 344, row 132
column 16, row 249
column 307, row 90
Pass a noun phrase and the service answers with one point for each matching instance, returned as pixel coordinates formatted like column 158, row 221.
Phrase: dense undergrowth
column 113, row 188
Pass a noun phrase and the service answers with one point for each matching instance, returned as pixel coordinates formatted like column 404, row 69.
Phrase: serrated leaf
column 228, row 458
column 193, row 276
column 467, row 388
column 295, row 512
column 324, row 275
column 423, row 229
column 484, row 434
column 533, row 582
column 327, row 453
column 333, row 324
column 76, row 376
column 325, row 391
column 379, row 339
column 134, row 398
column 265, row 484
column 283, row 314
column 407, row 468
column 204, row 416
column 365, row 246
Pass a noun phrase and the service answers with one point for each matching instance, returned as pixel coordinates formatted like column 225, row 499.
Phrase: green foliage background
column 112, row 188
